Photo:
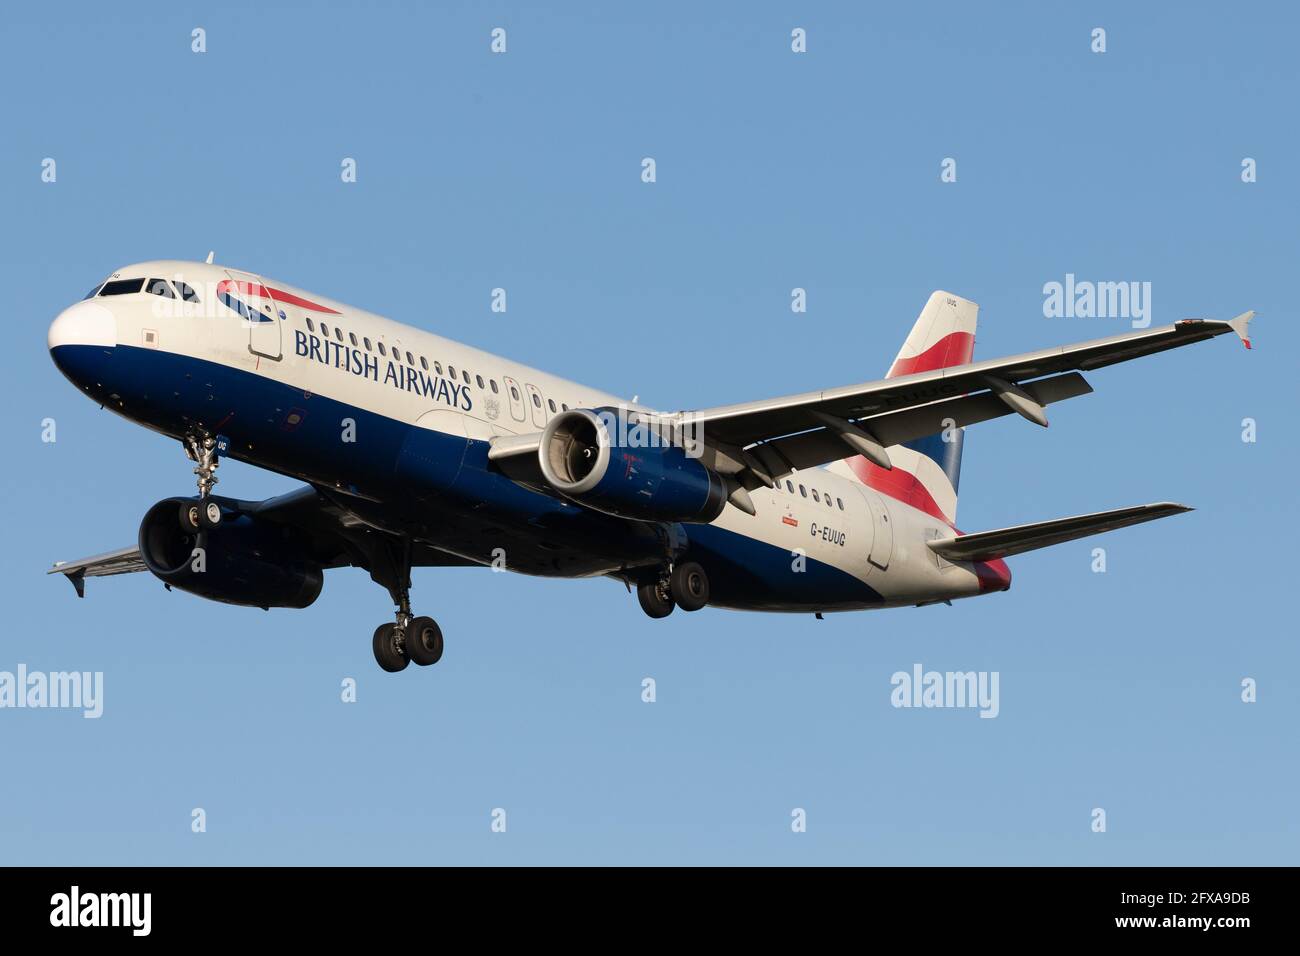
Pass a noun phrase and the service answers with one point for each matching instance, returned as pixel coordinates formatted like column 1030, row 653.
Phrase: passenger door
column 882, row 543
column 261, row 313
column 539, row 409
column 516, row 398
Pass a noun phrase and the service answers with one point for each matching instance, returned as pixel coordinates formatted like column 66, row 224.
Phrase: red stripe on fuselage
column 993, row 575
column 279, row 295
column 898, row 484
column 955, row 348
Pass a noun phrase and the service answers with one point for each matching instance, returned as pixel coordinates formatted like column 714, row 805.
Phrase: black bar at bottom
column 372, row 904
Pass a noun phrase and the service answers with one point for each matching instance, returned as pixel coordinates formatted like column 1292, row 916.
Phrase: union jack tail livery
column 926, row 470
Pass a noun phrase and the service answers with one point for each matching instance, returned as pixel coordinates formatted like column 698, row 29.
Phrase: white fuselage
column 318, row 346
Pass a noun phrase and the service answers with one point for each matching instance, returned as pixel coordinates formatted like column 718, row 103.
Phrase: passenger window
column 479, row 379
column 451, row 370
column 324, row 330
column 840, row 502
column 551, row 403
column 815, row 498
column 160, row 287
column 122, row 287
column 789, row 486
column 465, row 375
column 352, row 337
column 514, row 393
column 828, row 502
column 493, row 383
column 188, row 294
column 424, row 363
column 311, row 326
column 803, row 491
column 338, row 333
column 383, row 351
column 563, row 406
column 437, row 367
column 365, row 341
column 410, row 359
column 537, row 400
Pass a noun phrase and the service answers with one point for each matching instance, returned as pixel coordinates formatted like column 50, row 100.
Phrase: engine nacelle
column 634, row 473
column 246, row 560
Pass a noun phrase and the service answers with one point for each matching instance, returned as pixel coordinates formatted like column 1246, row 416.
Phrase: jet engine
column 611, row 461
column 244, row 560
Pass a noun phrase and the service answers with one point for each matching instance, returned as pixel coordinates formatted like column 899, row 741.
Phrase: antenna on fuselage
column 208, row 260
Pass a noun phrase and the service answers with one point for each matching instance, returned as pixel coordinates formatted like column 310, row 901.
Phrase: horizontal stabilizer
column 121, row 561
column 986, row 545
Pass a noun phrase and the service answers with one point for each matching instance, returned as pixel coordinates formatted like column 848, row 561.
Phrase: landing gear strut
column 204, row 514
column 409, row 638
column 202, row 449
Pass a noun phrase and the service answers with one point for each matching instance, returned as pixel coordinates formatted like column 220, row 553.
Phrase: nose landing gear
column 204, row 514
column 199, row 515
column 202, row 450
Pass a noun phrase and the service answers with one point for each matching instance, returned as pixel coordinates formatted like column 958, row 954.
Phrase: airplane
column 417, row 451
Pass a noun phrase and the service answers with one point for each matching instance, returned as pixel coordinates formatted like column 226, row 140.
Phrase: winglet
column 1241, row 325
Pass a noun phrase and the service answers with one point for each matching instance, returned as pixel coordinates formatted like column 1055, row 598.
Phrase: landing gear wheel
column 689, row 586
column 190, row 517
column 390, row 649
column 424, row 641
column 209, row 514
column 655, row 599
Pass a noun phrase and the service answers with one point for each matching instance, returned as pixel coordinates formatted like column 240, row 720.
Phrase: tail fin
column 926, row 470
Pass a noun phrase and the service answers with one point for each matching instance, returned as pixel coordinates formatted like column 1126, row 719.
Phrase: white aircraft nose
column 86, row 323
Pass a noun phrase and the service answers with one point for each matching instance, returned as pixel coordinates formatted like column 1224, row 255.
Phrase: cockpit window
column 188, row 294
column 160, row 287
column 91, row 293
column 122, row 287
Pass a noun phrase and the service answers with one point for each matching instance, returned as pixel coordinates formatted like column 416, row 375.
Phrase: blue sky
column 775, row 170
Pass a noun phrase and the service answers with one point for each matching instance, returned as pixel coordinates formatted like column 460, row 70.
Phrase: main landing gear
column 204, row 514
column 409, row 638
column 686, row 586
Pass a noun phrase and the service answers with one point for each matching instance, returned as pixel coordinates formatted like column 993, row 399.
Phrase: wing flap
column 809, row 449
column 987, row 545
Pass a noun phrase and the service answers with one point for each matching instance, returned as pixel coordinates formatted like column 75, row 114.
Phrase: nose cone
column 82, row 340
column 86, row 323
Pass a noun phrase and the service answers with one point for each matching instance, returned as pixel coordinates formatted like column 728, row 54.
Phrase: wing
column 762, row 441
column 986, row 545
column 334, row 539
